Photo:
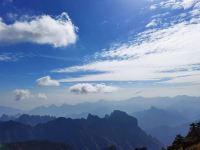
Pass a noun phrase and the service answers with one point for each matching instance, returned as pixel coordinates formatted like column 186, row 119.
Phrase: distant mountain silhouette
column 93, row 133
column 27, row 119
column 166, row 134
column 5, row 117
column 9, row 111
column 162, row 124
column 75, row 111
column 155, row 117
column 186, row 106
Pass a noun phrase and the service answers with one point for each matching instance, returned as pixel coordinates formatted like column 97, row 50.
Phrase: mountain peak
column 90, row 133
column 122, row 117
column 118, row 113
column 92, row 117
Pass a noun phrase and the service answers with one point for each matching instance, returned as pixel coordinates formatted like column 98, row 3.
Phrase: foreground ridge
column 93, row 133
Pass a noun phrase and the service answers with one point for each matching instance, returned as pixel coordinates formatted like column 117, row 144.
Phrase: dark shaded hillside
column 93, row 133
column 190, row 142
column 13, row 131
column 34, row 120
column 118, row 128
column 35, row 145
column 5, row 117
column 166, row 134
column 27, row 119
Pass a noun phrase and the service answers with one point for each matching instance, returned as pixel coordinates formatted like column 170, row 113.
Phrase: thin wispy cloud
column 151, row 53
column 153, row 23
column 11, row 57
column 57, row 31
column 179, row 4
column 5, row 58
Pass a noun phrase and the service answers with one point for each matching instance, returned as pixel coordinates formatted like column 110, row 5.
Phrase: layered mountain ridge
column 94, row 133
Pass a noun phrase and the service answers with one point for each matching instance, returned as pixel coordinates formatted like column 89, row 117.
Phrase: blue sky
column 73, row 51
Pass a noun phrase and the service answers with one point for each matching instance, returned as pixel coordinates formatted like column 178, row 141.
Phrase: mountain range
column 186, row 106
column 156, row 117
column 163, row 124
column 27, row 119
column 9, row 111
column 94, row 133
column 161, row 117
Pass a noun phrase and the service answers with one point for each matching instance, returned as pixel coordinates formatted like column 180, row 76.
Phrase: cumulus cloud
column 23, row 94
column 47, row 81
column 86, row 88
column 57, row 31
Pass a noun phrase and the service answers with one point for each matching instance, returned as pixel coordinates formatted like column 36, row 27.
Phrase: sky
column 75, row 51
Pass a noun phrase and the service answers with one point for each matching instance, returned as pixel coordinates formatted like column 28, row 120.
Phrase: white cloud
column 178, row 4
column 5, row 58
column 24, row 94
column 153, row 23
column 10, row 57
column 153, row 7
column 152, row 53
column 197, row 5
column 47, row 81
column 86, row 88
column 21, row 94
column 148, row 57
column 189, row 3
column 43, row 29
column 191, row 79
column 42, row 96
